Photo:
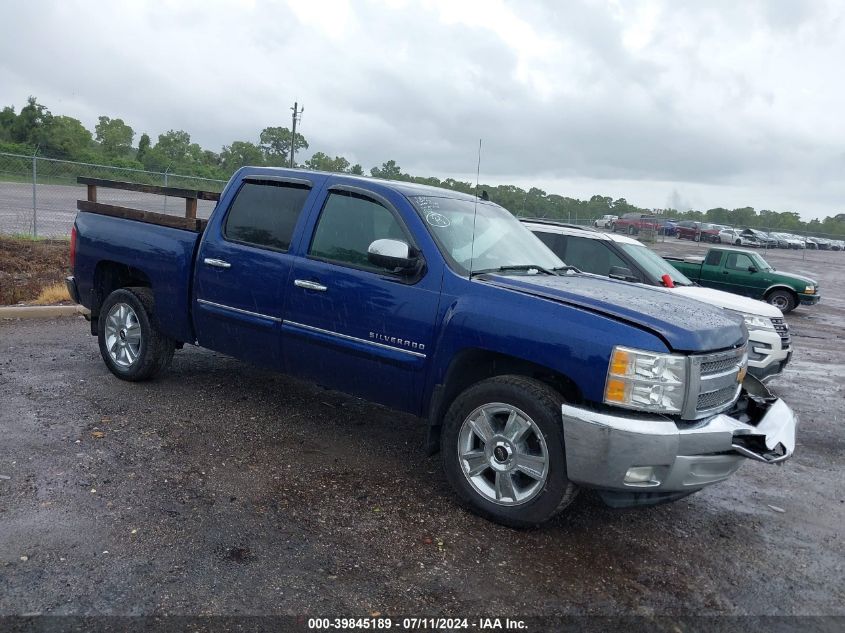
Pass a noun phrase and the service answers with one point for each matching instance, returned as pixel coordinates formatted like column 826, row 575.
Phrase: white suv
column 605, row 221
column 624, row 258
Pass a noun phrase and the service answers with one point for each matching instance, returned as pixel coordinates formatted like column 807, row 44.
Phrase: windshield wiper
column 519, row 268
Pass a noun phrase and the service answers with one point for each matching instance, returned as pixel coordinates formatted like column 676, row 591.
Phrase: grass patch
column 54, row 293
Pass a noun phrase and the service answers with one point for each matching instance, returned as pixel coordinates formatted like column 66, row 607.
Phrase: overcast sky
column 704, row 103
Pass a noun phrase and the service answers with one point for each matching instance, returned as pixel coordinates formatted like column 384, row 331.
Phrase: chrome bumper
column 602, row 448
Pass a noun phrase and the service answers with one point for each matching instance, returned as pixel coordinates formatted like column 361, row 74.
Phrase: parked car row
column 635, row 223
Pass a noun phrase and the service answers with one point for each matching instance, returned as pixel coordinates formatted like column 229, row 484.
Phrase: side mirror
column 621, row 273
column 752, row 269
column 393, row 254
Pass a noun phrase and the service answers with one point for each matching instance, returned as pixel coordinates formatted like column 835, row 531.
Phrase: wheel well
column 472, row 366
column 787, row 288
column 108, row 277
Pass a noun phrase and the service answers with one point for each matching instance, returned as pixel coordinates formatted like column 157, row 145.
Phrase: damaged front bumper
column 641, row 459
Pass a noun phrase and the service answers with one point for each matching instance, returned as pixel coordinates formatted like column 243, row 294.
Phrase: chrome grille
column 713, row 399
column 713, row 385
column 717, row 366
column 782, row 328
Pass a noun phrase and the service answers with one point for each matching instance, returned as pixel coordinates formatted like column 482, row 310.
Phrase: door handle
column 309, row 285
column 217, row 263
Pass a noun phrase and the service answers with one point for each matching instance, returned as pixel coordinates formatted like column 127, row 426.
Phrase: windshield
column 500, row 239
column 653, row 264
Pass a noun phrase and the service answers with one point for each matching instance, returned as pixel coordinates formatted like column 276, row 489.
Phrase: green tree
column 174, row 146
column 744, row 216
column 66, row 137
column 321, row 162
column 30, row 126
column 356, row 169
column 114, row 136
column 239, row 154
column 389, row 171
column 143, row 146
column 7, row 120
column 718, row 215
column 276, row 144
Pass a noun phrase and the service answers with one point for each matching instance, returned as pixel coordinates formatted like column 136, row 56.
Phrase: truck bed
column 163, row 255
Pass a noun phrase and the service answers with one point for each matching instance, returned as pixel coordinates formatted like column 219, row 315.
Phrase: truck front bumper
column 654, row 458
column 808, row 300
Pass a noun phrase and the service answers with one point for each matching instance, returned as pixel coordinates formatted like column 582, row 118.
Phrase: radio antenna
column 475, row 209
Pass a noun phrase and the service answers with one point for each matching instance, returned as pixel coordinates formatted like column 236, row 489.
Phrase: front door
column 738, row 276
column 351, row 325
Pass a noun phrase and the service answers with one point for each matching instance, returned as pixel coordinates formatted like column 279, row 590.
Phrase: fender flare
column 780, row 286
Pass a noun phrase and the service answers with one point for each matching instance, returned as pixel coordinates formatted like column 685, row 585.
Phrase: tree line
column 113, row 143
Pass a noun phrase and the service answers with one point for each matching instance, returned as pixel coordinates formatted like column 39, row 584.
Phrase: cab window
column 264, row 214
column 591, row 256
column 738, row 261
column 348, row 224
column 713, row 258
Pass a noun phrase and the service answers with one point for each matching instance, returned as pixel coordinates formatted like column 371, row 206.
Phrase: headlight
column 754, row 322
column 809, row 290
column 646, row 381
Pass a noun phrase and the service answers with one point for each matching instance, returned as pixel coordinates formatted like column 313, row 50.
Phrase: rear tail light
column 73, row 247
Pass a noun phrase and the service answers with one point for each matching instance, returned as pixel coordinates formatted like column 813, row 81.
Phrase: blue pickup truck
column 535, row 379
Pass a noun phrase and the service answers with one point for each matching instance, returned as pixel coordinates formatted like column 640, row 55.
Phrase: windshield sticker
column 437, row 220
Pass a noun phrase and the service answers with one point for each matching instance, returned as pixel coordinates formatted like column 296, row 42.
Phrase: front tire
column 503, row 453
column 783, row 300
column 131, row 344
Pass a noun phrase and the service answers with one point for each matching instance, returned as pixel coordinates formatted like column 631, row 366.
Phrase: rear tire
column 517, row 475
column 631, row 230
column 131, row 344
column 783, row 300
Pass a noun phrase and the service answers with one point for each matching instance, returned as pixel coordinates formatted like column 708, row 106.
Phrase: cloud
column 717, row 101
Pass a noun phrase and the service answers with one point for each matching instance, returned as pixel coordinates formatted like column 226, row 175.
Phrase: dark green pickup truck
column 747, row 273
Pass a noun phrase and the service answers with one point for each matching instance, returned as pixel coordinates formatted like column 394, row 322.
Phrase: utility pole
column 296, row 116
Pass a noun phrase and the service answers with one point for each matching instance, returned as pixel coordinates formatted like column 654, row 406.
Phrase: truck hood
column 684, row 325
column 801, row 279
column 726, row 300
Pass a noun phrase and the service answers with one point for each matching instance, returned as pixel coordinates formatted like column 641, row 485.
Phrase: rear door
column 349, row 324
column 713, row 273
column 242, row 268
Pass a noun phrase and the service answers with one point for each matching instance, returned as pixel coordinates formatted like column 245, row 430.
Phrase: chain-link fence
column 38, row 198
column 38, row 195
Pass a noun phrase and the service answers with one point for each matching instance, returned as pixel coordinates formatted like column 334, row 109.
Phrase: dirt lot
column 27, row 266
column 221, row 488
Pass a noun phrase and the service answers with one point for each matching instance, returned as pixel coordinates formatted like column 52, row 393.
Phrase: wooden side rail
column 189, row 221
column 190, row 195
column 150, row 217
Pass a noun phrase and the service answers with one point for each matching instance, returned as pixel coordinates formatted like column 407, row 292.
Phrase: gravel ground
column 223, row 489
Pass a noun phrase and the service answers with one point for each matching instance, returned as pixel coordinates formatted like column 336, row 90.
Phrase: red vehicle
column 697, row 231
column 633, row 223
